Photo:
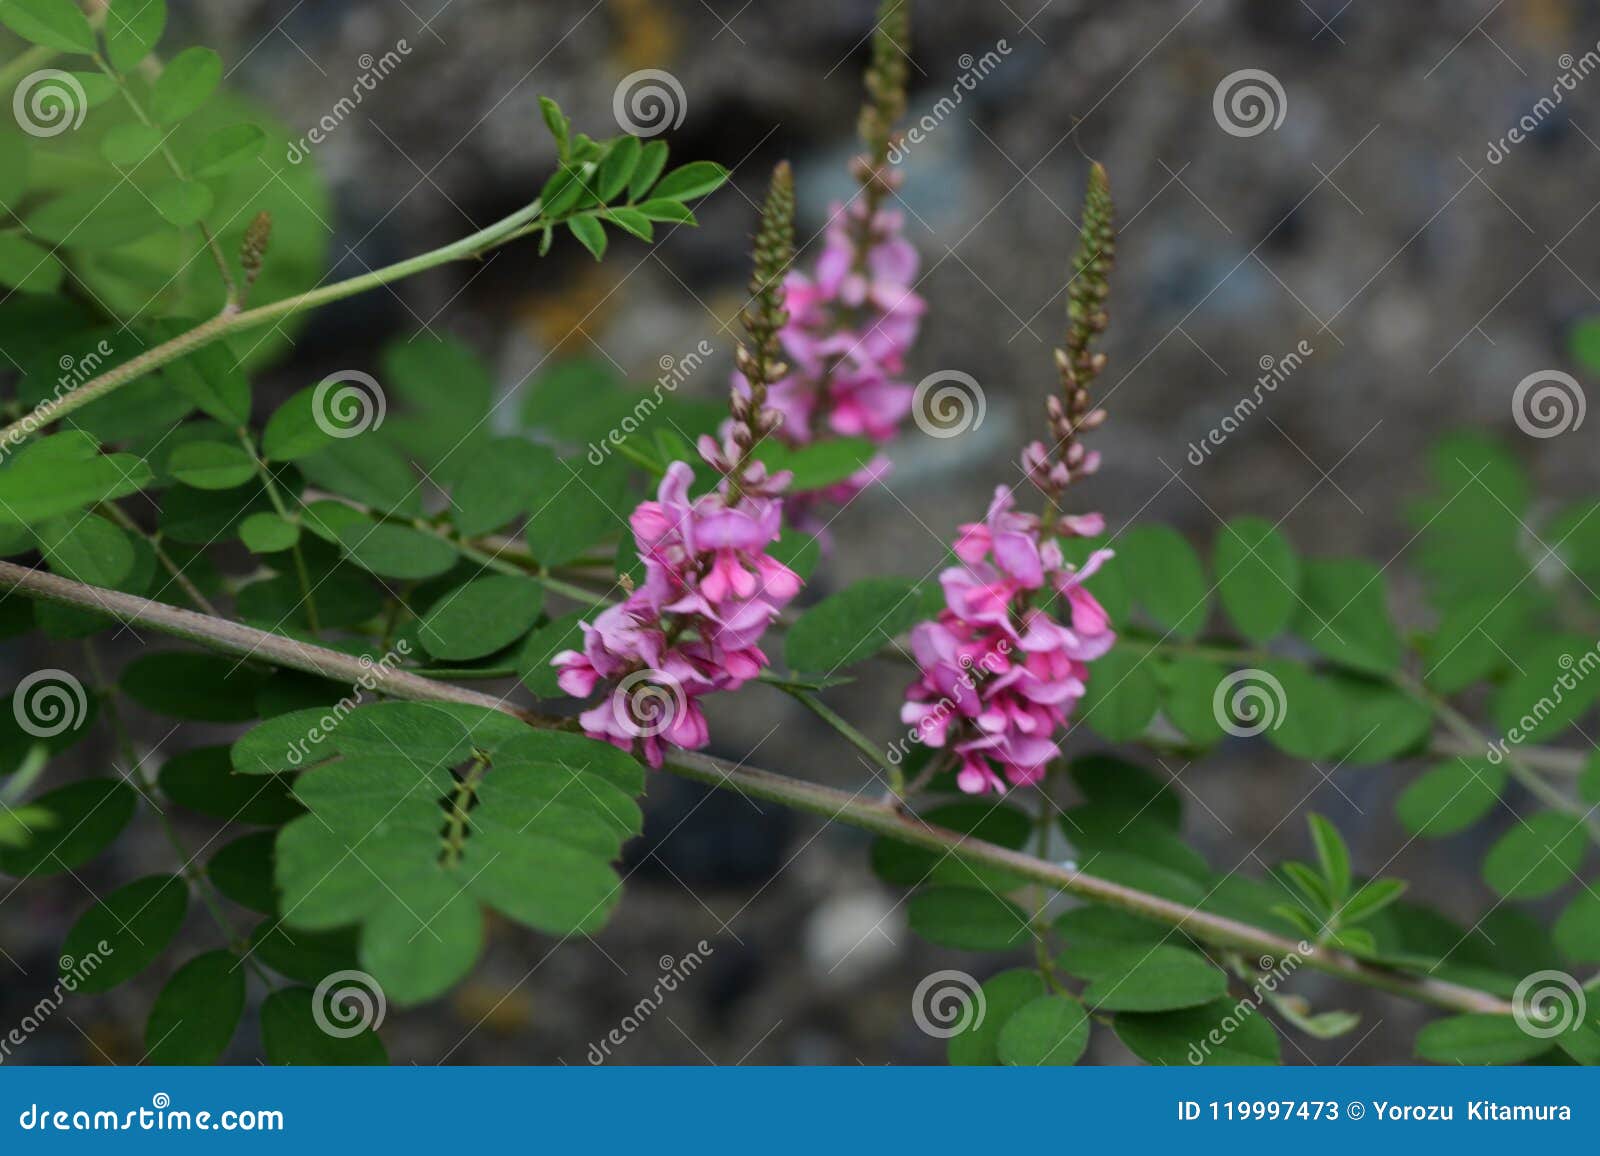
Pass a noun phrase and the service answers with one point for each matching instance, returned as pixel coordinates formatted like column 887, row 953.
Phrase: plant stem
column 229, row 322
column 878, row 818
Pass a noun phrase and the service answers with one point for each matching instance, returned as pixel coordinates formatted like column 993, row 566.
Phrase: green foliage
column 857, row 622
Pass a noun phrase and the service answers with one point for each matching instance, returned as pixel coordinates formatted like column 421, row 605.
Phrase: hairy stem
column 879, row 818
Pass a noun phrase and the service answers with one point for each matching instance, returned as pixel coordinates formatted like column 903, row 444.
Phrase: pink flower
column 691, row 627
column 999, row 674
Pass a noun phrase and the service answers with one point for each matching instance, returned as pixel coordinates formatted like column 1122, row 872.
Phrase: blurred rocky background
column 1370, row 224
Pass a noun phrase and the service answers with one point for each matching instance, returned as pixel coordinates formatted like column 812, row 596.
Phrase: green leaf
column 632, row 221
column 132, row 29
column 485, row 615
column 1382, row 721
column 1218, row 1033
column 397, row 551
column 185, row 84
column 857, row 622
column 57, row 24
column 166, row 683
column 979, row 1021
column 576, row 506
column 70, row 826
column 129, row 145
column 1094, row 926
column 203, row 780
column 423, row 945
column 819, row 464
column 1308, row 722
column 1166, row 577
column 1577, row 932
column 226, row 149
column 689, row 181
column 670, row 211
column 292, row 431
column 652, row 159
column 1115, row 783
column 196, row 1014
column 123, row 934
column 25, row 266
column 1548, row 691
column 1258, row 577
column 268, row 533
column 211, row 465
column 62, row 473
column 555, row 120
column 1479, row 1039
column 1052, row 1030
column 533, row 661
column 617, row 168
column 91, row 216
column 211, row 378
column 590, row 233
column 1535, row 856
column 1190, row 686
column 500, row 483
column 242, row 871
column 1472, row 642
column 370, row 470
column 87, row 549
column 182, row 202
column 1370, row 898
column 1450, row 797
column 1332, row 856
column 1345, row 615
column 1122, row 693
column 968, row 918
column 290, row 1034
column 1140, row 978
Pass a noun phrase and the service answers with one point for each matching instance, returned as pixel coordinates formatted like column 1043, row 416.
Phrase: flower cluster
column 1000, row 674
column 692, row 627
column 852, row 320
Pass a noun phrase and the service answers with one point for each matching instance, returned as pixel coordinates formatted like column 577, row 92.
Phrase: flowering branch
column 880, row 818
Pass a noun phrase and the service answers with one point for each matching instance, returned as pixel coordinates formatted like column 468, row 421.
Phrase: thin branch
column 245, row 641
